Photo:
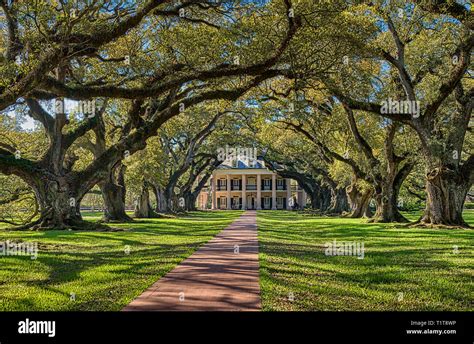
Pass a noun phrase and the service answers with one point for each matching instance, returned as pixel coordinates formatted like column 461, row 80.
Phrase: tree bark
column 446, row 193
column 161, row 203
column 325, row 197
column 190, row 201
column 59, row 205
column 339, row 202
column 387, row 191
column 193, row 186
column 169, row 197
column 387, row 207
column 143, row 207
column 359, row 201
column 314, row 197
column 113, row 192
column 447, row 179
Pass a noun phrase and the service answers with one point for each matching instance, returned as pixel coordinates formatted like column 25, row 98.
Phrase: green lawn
column 402, row 269
column 95, row 266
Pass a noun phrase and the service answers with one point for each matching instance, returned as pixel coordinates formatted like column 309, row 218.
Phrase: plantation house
column 246, row 184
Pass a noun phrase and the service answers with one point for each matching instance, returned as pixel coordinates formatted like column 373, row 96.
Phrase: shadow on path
column 221, row 276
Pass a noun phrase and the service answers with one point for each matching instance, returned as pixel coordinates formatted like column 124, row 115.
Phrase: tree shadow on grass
column 288, row 264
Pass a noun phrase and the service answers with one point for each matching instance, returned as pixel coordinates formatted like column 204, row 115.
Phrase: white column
column 228, row 191
column 259, row 191
column 274, row 192
column 213, row 192
column 244, row 194
column 303, row 194
column 288, row 193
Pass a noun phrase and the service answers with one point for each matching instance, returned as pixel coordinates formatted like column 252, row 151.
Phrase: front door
column 267, row 203
column 250, row 202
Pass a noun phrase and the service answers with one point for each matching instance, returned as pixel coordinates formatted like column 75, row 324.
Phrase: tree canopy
column 368, row 105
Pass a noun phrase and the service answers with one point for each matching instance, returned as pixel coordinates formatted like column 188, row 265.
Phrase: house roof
column 242, row 164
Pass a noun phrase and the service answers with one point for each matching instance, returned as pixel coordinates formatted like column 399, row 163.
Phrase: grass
column 95, row 266
column 403, row 268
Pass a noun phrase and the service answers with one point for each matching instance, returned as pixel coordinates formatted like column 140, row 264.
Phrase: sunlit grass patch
column 403, row 268
column 87, row 270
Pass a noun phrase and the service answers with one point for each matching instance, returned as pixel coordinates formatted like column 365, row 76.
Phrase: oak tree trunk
column 446, row 191
column 386, row 194
column 359, row 201
column 314, row 196
column 190, row 201
column 387, row 207
column 325, row 198
column 59, row 205
column 339, row 202
column 143, row 207
column 113, row 192
column 161, row 203
column 169, row 198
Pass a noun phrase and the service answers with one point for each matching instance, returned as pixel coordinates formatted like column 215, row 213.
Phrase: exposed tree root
column 422, row 223
column 77, row 225
column 398, row 219
column 126, row 219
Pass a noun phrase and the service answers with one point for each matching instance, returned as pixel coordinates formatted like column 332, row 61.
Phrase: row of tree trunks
column 190, row 201
column 199, row 175
column 325, row 198
column 161, row 202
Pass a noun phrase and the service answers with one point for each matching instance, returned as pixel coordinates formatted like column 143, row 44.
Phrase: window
column 221, row 184
column 252, row 184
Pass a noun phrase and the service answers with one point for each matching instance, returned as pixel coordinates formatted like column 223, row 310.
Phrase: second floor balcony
column 264, row 186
